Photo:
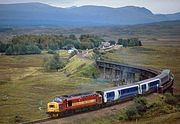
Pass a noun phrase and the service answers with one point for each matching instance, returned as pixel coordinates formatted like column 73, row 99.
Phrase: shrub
column 97, row 54
column 131, row 113
column 53, row 63
column 140, row 104
column 88, row 71
column 73, row 37
column 129, row 42
column 170, row 99
column 159, row 107
column 3, row 46
column 50, row 51
column 18, row 119
column 112, row 42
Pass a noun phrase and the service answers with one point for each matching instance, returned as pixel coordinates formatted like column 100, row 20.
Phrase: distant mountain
column 38, row 14
column 175, row 16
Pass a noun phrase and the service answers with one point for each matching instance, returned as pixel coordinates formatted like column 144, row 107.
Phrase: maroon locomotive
column 69, row 103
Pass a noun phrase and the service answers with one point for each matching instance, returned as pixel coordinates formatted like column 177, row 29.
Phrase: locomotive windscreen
column 57, row 99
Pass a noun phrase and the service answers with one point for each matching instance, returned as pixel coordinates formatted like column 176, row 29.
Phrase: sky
column 156, row 6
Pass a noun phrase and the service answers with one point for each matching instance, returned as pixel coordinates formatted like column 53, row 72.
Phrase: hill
column 38, row 14
column 166, row 29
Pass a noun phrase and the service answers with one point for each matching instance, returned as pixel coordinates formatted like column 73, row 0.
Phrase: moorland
column 26, row 87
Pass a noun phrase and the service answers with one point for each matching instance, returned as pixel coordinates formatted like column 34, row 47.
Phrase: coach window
column 122, row 91
column 144, row 86
column 111, row 94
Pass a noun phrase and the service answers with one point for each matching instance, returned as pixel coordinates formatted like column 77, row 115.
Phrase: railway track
column 149, row 70
column 80, row 115
column 37, row 121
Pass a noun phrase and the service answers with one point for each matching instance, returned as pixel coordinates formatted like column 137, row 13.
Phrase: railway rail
column 114, row 65
column 37, row 121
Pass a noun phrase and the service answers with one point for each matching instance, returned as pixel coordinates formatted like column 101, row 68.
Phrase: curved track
column 110, row 64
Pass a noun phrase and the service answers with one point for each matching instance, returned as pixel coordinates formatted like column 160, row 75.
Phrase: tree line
column 129, row 42
column 33, row 44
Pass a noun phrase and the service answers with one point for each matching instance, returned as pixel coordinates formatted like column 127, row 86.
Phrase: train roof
column 75, row 96
column 78, row 94
column 147, row 80
column 119, row 87
column 164, row 73
column 72, row 96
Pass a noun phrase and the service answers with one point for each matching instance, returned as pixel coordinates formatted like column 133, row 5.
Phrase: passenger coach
column 119, row 93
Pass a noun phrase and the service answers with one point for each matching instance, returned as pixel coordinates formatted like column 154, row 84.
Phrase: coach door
column 143, row 88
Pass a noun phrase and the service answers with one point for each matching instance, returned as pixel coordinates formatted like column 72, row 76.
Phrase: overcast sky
column 156, row 6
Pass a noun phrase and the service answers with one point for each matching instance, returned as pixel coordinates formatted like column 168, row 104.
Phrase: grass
column 75, row 64
column 64, row 54
column 26, row 88
column 78, row 66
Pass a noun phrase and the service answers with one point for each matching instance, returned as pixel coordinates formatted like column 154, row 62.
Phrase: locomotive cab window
column 51, row 106
column 57, row 99
column 69, row 103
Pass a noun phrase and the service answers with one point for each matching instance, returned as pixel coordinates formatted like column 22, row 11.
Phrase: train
column 109, row 96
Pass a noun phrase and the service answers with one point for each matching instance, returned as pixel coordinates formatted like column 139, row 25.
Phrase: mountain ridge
column 39, row 14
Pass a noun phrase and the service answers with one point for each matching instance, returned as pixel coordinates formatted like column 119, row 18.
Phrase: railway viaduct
column 124, row 74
